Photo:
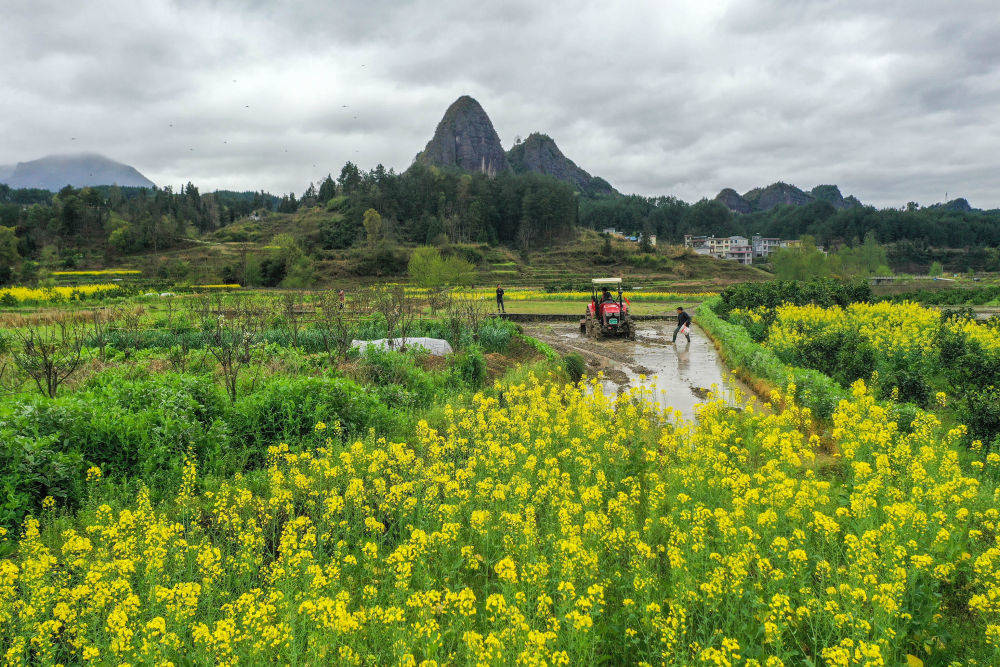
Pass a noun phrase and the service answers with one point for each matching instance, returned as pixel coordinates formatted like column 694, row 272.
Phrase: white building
column 764, row 245
column 740, row 253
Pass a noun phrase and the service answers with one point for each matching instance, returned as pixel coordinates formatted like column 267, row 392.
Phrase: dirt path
column 682, row 374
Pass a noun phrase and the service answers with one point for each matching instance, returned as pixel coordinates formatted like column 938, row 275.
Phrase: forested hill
column 117, row 221
column 942, row 226
column 426, row 203
column 780, row 193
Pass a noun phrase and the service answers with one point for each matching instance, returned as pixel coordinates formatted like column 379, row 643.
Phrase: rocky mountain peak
column 776, row 194
column 540, row 154
column 465, row 139
column 733, row 201
column 830, row 194
column 783, row 194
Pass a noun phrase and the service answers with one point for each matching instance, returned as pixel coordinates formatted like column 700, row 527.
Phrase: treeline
column 914, row 229
column 806, row 261
column 428, row 205
column 58, row 229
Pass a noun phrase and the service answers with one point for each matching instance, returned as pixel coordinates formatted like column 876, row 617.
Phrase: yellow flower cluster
column 897, row 329
column 551, row 525
column 987, row 338
column 43, row 294
column 220, row 286
column 99, row 272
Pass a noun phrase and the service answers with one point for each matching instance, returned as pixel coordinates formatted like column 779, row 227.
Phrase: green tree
column 800, row 263
column 373, row 226
column 327, row 190
column 936, row 269
column 429, row 269
column 350, row 178
column 10, row 258
column 301, row 273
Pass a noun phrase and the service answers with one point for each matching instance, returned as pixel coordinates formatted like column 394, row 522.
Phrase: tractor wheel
column 630, row 329
column 592, row 330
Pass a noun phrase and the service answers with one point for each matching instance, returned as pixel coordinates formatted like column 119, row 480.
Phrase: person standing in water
column 500, row 308
column 683, row 324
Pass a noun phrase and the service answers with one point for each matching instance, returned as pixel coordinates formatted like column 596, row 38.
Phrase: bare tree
column 335, row 326
column 408, row 312
column 7, row 380
column 49, row 355
column 100, row 321
column 177, row 356
column 465, row 312
column 236, row 341
column 293, row 314
column 129, row 325
column 170, row 311
column 396, row 309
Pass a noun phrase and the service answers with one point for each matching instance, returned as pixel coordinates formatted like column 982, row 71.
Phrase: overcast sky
column 893, row 100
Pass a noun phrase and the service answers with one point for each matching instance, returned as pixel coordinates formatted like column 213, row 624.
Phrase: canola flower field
column 31, row 295
column 99, row 272
column 541, row 524
column 916, row 349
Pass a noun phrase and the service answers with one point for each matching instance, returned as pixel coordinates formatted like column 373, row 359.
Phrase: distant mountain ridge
column 780, row 193
column 55, row 172
column 466, row 139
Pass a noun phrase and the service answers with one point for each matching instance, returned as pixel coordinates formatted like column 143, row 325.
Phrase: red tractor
column 607, row 313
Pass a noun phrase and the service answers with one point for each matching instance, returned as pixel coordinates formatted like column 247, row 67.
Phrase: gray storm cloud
column 893, row 101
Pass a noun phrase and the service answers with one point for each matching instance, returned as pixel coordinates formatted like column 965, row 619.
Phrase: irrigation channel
column 681, row 375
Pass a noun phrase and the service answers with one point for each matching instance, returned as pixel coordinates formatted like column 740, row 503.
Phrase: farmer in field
column 340, row 299
column 683, row 324
column 500, row 308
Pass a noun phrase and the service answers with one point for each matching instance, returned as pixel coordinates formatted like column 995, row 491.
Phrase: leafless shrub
column 177, row 357
column 293, row 314
column 7, row 381
column 237, row 340
column 465, row 312
column 396, row 308
column 128, row 324
column 49, row 355
column 170, row 311
column 335, row 325
column 100, row 323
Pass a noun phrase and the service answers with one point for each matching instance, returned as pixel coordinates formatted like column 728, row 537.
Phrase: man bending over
column 683, row 324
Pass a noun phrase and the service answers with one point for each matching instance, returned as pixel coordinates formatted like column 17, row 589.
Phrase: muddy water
column 680, row 375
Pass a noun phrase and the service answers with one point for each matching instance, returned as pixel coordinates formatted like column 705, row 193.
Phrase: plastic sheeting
column 436, row 346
